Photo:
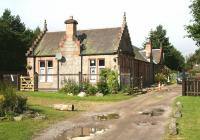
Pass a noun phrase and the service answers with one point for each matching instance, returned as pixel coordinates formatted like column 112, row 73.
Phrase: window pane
column 50, row 64
column 93, row 62
column 42, row 64
column 42, row 77
column 49, row 77
column 101, row 62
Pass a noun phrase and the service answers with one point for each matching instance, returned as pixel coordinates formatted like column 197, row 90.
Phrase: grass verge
column 41, row 102
column 189, row 124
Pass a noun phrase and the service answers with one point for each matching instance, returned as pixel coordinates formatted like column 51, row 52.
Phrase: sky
column 142, row 16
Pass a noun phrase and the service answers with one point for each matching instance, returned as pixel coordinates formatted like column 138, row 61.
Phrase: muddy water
column 81, row 133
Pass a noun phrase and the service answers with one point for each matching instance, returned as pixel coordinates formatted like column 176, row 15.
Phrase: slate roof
column 98, row 41
column 155, row 53
column 138, row 55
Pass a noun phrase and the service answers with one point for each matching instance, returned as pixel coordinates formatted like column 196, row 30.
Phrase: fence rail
column 26, row 83
column 191, row 87
column 57, row 81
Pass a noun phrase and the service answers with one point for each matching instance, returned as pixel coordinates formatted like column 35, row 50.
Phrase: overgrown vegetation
column 11, row 103
column 108, row 83
column 71, row 87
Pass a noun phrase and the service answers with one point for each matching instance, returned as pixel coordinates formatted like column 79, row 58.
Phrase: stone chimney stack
column 71, row 29
column 148, row 49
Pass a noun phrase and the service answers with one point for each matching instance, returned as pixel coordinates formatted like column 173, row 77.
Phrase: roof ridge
column 87, row 29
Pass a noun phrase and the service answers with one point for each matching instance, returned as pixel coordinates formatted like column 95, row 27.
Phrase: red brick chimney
column 148, row 49
column 71, row 29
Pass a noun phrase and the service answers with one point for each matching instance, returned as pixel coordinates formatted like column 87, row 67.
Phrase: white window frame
column 93, row 76
column 49, row 78
column 101, row 67
column 42, row 71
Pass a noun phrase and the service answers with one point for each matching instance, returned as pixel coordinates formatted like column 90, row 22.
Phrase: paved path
column 131, row 125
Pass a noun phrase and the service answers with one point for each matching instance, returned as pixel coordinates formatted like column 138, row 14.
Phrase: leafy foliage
column 88, row 88
column 71, row 87
column 108, row 81
column 172, row 57
column 193, row 59
column 194, row 28
column 15, row 39
column 10, row 102
column 160, row 78
column 102, row 87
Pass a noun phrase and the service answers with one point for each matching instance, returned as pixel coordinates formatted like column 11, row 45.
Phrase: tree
column 194, row 28
column 193, row 59
column 172, row 57
column 15, row 39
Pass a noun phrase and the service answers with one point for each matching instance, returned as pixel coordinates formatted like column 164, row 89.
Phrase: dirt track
column 132, row 125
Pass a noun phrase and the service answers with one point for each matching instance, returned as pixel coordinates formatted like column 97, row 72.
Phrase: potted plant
column 160, row 78
column 28, row 67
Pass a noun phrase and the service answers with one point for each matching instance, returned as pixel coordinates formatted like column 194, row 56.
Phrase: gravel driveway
column 144, row 117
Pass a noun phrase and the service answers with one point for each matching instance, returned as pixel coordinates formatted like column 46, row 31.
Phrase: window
column 42, row 71
column 92, row 62
column 93, row 70
column 101, row 64
column 49, row 71
column 46, row 67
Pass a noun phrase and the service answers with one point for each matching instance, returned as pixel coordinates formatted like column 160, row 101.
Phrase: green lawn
column 189, row 124
column 62, row 96
column 42, row 101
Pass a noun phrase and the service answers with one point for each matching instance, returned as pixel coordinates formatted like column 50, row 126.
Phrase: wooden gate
column 191, row 87
column 26, row 83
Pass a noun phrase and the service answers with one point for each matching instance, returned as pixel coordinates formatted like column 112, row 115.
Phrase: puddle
column 146, row 123
column 154, row 112
column 107, row 116
column 81, row 133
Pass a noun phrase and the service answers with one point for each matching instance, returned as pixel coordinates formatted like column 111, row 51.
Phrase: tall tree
column 172, row 57
column 193, row 59
column 194, row 28
column 15, row 39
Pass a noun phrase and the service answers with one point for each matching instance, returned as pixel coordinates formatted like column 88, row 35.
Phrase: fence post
column 80, row 77
column 18, row 82
column 35, row 80
column 141, row 83
column 184, row 87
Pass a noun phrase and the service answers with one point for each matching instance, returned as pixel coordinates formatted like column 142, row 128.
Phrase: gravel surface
column 141, row 118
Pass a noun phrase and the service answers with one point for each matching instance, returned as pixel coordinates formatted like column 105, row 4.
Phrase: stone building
column 81, row 54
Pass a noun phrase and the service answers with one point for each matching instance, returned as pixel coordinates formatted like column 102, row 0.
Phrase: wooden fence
column 191, row 87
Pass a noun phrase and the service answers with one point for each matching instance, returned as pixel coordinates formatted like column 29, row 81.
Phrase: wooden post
column 184, row 87
column 141, row 83
column 35, row 82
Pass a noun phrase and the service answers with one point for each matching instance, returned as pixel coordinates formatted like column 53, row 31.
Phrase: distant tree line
column 15, row 39
column 172, row 57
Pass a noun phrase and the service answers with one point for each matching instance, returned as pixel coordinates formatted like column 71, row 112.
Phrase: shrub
column 84, row 86
column 112, row 82
column 109, row 81
column 102, row 87
column 91, row 90
column 10, row 102
column 160, row 78
column 71, row 87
